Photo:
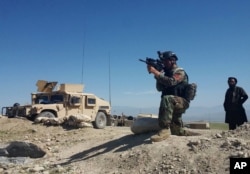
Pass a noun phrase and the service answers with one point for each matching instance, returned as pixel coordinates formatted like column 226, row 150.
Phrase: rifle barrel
column 142, row 60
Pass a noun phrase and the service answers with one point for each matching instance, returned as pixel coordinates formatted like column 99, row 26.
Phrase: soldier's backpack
column 190, row 90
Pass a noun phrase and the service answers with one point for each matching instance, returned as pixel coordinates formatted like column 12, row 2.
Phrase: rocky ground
column 116, row 150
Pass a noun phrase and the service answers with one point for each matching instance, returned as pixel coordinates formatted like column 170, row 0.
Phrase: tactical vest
column 183, row 89
column 177, row 90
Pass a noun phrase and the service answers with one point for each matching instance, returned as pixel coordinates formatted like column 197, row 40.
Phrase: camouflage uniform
column 173, row 104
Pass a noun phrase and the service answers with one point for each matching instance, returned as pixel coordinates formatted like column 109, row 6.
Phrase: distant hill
column 211, row 114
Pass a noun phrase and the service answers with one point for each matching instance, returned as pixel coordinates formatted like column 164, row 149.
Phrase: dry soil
column 116, row 150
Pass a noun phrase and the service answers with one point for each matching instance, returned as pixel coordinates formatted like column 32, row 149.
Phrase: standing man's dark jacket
column 233, row 105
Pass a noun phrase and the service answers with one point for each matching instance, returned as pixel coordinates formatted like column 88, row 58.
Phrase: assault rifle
column 156, row 63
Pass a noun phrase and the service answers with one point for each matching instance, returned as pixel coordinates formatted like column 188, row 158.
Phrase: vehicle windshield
column 49, row 99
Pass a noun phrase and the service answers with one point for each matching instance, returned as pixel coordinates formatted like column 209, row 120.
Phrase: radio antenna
column 83, row 52
column 109, row 83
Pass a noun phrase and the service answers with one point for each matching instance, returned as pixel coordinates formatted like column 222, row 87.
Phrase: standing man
column 233, row 104
column 170, row 82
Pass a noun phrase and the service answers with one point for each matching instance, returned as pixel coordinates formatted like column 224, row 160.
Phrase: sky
column 98, row 43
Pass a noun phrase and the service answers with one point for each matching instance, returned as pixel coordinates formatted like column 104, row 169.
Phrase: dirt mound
column 117, row 150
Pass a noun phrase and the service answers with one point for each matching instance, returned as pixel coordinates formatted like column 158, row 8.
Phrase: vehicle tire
column 130, row 118
column 16, row 105
column 100, row 120
column 14, row 111
column 46, row 114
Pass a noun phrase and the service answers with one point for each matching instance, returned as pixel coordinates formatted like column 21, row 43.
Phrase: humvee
column 68, row 99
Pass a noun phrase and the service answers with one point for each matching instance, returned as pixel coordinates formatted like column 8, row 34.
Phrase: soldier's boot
column 190, row 133
column 161, row 135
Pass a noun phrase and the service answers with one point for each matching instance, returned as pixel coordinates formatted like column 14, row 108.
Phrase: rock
column 3, row 152
column 24, row 149
column 218, row 135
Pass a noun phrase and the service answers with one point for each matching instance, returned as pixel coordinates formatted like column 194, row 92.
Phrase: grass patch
column 219, row 126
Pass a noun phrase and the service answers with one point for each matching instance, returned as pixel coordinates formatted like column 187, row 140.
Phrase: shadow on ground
column 117, row 145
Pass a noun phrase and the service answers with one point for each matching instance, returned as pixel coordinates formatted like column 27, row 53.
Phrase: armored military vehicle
column 68, row 99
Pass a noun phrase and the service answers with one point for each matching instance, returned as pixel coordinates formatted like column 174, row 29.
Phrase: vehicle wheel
column 46, row 114
column 100, row 120
column 14, row 111
column 16, row 104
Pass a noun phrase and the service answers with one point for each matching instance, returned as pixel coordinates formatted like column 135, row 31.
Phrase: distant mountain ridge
column 211, row 114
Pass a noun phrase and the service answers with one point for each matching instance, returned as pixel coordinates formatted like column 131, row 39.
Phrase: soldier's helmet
column 167, row 55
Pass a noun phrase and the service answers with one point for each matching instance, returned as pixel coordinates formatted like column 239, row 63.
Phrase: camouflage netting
column 77, row 121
